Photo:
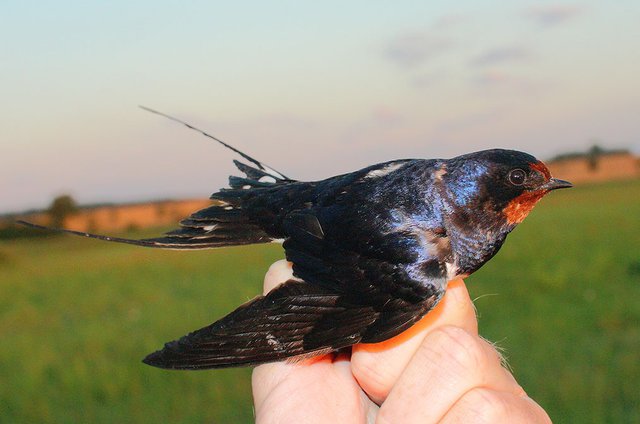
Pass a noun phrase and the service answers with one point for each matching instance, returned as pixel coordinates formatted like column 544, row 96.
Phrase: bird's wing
column 399, row 287
column 338, row 299
column 266, row 329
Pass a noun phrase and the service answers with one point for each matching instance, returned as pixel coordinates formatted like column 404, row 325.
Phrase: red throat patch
column 518, row 209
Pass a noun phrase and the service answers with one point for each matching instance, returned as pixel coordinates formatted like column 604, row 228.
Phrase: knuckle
column 278, row 273
column 486, row 406
column 462, row 348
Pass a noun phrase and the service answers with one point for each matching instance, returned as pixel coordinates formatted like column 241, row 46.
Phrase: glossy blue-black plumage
column 372, row 250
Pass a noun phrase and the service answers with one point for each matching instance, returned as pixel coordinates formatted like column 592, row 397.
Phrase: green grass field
column 77, row 316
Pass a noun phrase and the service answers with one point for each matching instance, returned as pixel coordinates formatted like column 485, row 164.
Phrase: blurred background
column 313, row 90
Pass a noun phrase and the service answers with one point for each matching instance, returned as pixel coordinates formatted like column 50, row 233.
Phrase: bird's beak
column 554, row 184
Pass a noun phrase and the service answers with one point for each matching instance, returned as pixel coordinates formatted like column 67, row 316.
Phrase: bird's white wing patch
column 385, row 170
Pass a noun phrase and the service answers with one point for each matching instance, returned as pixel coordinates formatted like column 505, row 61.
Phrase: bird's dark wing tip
column 155, row 359
column 159, row 359
column 173, row 356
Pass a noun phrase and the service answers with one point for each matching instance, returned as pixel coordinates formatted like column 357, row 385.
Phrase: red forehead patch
column 539, row 166
column 518, row 209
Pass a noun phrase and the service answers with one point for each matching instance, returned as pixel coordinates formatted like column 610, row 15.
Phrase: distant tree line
column 592, row 155
column 60, row 208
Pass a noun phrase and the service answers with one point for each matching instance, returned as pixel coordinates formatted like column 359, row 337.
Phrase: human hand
column 440, row 370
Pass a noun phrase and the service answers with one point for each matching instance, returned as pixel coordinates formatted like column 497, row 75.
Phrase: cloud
column 501, row 55
column 411, row 50
column 493, row 78
column 500, row 83
column 552, row 15
column 450, row 20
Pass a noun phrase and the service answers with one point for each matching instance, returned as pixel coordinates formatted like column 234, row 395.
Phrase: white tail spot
column 267, row 179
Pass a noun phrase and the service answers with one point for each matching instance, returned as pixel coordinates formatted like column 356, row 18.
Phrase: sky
column 313, row 89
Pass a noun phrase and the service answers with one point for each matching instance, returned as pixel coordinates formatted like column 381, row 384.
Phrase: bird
column 371, row 251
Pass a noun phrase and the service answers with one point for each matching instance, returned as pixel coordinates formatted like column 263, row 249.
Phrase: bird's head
column 502, row 184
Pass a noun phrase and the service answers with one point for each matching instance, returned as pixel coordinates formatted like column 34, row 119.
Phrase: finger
column 278, row 273
column 449, row 363
column 317, row 392
column 481, row 405
column 266, row 377
column 377, row 367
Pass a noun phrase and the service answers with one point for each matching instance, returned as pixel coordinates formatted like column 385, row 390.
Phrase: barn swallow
column 372, row 250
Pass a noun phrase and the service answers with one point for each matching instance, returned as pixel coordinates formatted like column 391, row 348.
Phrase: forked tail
column 225, row 223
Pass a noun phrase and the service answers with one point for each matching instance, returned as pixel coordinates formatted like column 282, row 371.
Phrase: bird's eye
column 517, row 177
